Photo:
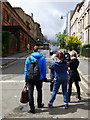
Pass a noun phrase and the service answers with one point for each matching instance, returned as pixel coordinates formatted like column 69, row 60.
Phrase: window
column 3, row 14
column 83, row 21
column 7, row 17
column 12, row 20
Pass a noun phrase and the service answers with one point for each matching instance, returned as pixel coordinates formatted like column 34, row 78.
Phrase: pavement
column 4, row 61
column 85, row 72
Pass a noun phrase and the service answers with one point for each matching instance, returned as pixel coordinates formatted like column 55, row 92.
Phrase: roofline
column 18, row 8
column 15, row 12
column 23, row 11
column 78, row 5
column 30, row 16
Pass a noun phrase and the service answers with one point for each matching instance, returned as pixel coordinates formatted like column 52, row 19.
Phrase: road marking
column 11, row 81
column 18, row 58
column 12, row 58
column 7, row 58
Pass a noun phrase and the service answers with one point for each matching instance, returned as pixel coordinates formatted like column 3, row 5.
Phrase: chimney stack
column 32, row 15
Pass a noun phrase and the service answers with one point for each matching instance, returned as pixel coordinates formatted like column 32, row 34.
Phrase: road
column 12, row 85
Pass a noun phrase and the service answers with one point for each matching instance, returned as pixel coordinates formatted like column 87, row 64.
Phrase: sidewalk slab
column 85, row 78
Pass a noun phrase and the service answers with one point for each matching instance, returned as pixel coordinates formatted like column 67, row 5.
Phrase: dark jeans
column 70, row 89
column 38, row 85
column 51, row 85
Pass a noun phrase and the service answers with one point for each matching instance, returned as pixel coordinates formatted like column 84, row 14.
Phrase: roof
column 78, row 6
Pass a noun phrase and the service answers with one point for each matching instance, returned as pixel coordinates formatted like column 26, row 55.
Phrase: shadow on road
column 73, row 107
column 57, row 110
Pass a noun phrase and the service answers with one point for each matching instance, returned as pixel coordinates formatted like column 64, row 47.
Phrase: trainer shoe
column 66, row 106
column 50, row 105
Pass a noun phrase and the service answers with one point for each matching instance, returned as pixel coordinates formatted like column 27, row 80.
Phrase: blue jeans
column 56, row 86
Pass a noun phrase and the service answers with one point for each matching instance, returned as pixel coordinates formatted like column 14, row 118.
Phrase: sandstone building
column 80, row 22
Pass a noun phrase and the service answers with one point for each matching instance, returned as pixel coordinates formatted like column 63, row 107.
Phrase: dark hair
column 59, row 54
column 36, row 48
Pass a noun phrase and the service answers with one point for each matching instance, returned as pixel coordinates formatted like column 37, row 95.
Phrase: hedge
column 86, row 46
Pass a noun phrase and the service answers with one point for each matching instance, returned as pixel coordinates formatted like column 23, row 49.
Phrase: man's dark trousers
column 38, row 85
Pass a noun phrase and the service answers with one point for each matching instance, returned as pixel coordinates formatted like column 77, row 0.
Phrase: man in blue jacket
column 42, row 69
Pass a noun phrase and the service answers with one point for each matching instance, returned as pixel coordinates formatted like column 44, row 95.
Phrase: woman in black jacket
column 73, row 74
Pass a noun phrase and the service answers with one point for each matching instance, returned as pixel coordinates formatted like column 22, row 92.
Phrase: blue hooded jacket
column 41, row 63
column 60, row 70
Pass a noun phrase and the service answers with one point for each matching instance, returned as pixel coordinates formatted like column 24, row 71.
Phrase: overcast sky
column 47, row 13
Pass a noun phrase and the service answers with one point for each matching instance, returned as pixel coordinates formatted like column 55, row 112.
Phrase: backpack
column 33, row 73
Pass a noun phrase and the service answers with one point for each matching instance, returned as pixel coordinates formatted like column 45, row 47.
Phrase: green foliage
column 61, row 39
column 72, row 42
column 5, row 42
column 86, row 46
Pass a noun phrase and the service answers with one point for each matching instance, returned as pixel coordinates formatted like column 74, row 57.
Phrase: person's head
column 59, row 54
column 36, row 49
column 53, row 56
column 73, row 53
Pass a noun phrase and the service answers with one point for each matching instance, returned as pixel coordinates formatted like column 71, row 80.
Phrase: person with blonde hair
column 73, row 53
column 73, row 74
column 60, row 78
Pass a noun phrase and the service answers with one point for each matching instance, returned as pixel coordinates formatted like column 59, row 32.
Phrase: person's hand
column 45, row 79
column 26, row 83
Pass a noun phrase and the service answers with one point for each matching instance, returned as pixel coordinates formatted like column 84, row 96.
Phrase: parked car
column 53, row 50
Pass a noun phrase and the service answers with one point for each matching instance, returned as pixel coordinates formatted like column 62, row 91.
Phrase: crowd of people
column 63, row 72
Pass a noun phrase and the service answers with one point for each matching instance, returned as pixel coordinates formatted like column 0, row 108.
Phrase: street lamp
column 62, row 17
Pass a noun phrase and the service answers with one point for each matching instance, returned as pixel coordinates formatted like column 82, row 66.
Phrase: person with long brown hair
column 60, row 78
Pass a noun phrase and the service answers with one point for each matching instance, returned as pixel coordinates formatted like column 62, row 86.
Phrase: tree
column 72, row 42
column 61, row 39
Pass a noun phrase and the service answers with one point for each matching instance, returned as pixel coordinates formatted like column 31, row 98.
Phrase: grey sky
column 47, row 14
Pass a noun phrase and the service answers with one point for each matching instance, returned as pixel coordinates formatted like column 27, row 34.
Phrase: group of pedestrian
column 59, row 76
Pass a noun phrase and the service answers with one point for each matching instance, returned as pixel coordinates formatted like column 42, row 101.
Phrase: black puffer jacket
column 73, row 72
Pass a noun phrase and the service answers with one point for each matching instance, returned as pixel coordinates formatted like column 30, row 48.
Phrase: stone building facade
column 20, row 31
column 80, row 22
column 35, row 31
